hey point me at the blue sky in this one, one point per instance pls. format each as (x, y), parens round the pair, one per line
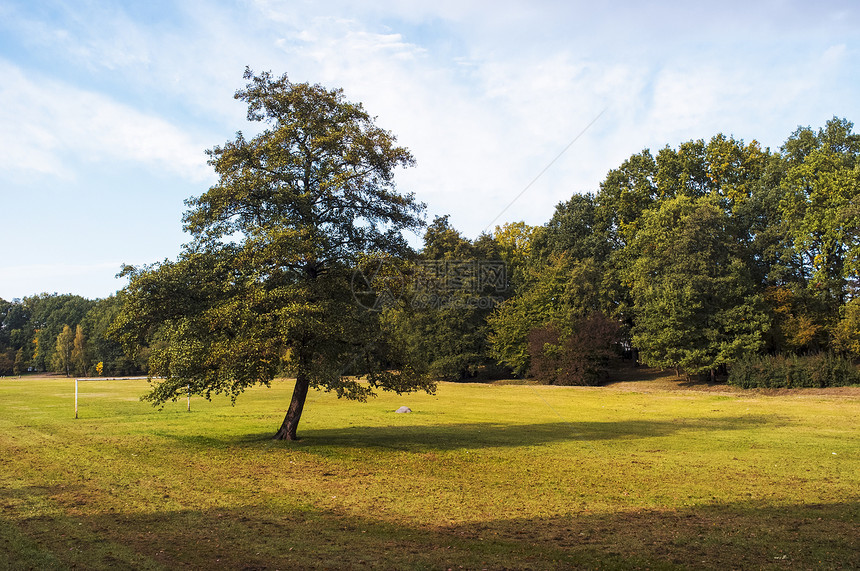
(106, 108)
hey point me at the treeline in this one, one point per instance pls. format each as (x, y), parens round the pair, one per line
(690, 259)
(694, 259)
(62, 333)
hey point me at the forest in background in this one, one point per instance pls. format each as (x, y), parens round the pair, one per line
(695, 258)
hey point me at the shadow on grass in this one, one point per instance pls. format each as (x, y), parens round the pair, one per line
(436, 437)
(490, 435)
(269, 536)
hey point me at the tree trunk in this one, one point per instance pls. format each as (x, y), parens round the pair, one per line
(294, 413)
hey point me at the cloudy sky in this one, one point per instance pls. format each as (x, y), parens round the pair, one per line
(107, 107)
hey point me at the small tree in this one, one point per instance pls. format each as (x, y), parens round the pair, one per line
(79, 352)
(7, 361)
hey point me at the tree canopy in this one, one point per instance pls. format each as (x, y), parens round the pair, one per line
(703, 254)
(263, 288)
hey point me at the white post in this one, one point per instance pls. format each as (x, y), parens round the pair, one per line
(76, 398)
(189, 397)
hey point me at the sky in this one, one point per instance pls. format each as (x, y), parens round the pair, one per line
(107, 107)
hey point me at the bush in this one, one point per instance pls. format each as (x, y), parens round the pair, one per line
(778, 372)
(583, 357)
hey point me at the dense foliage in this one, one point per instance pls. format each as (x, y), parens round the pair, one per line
(584, 356)
(703, 258)
(704, 255)
(62, 333)
(443, 325)
(793, 372)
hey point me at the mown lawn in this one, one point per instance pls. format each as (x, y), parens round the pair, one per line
(478, 476)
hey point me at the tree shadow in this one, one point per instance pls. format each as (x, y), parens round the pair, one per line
(478, 435)
(492, 435)
(273, 535)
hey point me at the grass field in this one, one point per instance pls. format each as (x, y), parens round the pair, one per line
(633, 475)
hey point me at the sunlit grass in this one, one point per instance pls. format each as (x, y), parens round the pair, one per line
(488, 476)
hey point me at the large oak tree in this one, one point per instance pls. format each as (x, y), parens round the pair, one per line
(264, 287)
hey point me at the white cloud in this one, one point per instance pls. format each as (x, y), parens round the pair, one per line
(52, 128)
(481, 129)
(835, 55)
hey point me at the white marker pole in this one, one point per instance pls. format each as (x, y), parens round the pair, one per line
(76, 398)
(189, 398)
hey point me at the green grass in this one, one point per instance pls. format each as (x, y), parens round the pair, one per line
(478, 476)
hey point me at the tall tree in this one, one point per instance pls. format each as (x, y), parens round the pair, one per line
(450, 299)
(577, 230)
(264, 286)
(696, 304)
(821, 205)
(683, 171)
(65, 347)
(5, 306)
(515, 242)
(625, 194)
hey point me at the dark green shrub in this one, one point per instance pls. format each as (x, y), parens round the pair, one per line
(582, 357)
(777, 372)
